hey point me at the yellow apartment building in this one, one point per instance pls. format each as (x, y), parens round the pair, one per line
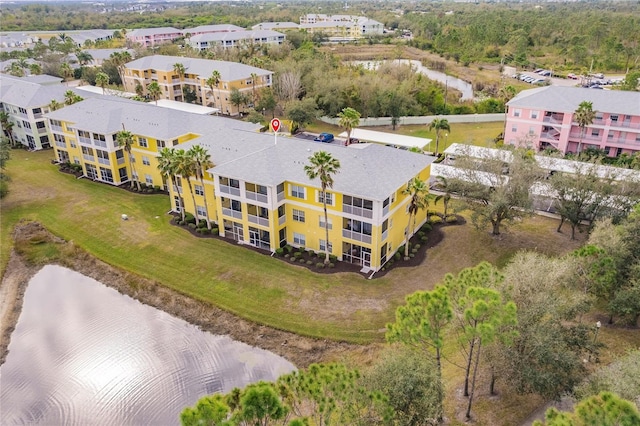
(247, 79)
(257, 192)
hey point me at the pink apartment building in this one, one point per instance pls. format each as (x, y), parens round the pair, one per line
(544, 118)
(149, 37)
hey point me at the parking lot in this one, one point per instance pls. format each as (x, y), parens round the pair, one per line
(310, 136)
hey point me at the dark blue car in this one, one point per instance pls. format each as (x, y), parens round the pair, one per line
(324, 137)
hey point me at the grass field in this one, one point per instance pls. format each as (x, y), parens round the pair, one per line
(339, 306)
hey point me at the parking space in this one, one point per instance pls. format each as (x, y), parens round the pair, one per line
(311, 136)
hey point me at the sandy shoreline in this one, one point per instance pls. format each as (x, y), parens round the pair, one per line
(301, 351)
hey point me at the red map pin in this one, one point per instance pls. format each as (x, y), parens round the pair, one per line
(275, 125)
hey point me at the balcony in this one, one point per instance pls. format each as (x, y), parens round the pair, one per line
(553, 136)
(356, 236)
(37, 115)
(385, 210)
(232, 213)
(61, 144)
(384, 235)
(230, 190)
(88, 157)
(56, 128)
(257, 219)
(85, 141)
(120, 160)
(257, 197)
(553, 118)
(282, 220)
(358, 211)
(280, 196)
(104, 161)
(42, 130)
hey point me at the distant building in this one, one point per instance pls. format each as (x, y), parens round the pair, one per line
(545, 118)
(149, 37)
(211, 29)
(158, 68)
(341, 26)
(235, 39)
(276, 26)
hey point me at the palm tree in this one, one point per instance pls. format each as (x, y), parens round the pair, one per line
(349, 119)
(102, 80)
(442, 185)
(216, 79)
(439, 124)
(167, 164)
(124, 138)
(254, 77)
(35, 69)
(418, 190)
(323, 166)
(203, 162)
(584, 116)
(211, 83)
(66, 71)
(15, 69)
(120, 59)
(84, 57)
(179, 69)
(154, 91)
(186, 168)
(71, 98)
(7, 126)
(54, 105)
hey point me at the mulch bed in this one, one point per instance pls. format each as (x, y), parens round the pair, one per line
(434, 237)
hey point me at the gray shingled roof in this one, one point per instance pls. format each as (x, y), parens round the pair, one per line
(206, 28)
(567, 99)
(152, 31)
(373, 171)
(25, 94)
(275, 25)
(229, 71)
(236, 35)
(107, 115)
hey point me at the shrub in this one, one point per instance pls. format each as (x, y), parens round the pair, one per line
(452, 219)
(332, 265)
(424, 239)
(414, 250)
(309, 262)
(302, 260)
(149, 190)
(426, 227)
(312, 253)
(181, 222)
(319, 265)
(202, 223)
(286, 256)
(279, 251)
(288, 248)
(191, 225)
(333, 258)
(436, 219)
(417, 246)
(301, 249)
(412, 255)
(297, 255)
(420, 233)
(214, 230)
(398, 255)
(205, 231)
(157, 188)
(189, 218)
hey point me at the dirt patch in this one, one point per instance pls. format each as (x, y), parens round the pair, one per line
(300, 350)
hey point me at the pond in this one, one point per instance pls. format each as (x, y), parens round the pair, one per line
(455, 83)
(82, 353)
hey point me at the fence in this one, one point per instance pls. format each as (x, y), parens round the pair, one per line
(426, 119)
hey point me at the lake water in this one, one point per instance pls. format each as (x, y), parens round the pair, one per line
(83, 354)
(465, 88)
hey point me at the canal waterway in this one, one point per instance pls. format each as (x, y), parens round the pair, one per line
(465, 88)
(82, 353)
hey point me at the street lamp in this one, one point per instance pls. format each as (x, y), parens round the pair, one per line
(595, 337)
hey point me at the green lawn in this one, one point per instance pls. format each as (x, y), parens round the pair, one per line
(252, 285)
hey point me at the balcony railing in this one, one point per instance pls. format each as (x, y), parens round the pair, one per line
(358, 211)
(282, 220)
(61, 144)
(37, 115)
(256, 196)
(555, 136)
(230, 190)
(385, 234)
(104, 161)
(280, 196)
(232, 213)
(85, 141)
(385, 210)
(356, 236)
(120, 160)
(555, 119)
(42, 130)
(257, 219)
(88, 157)
(56, 128)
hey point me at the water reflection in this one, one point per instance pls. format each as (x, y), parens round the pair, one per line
(82, 353)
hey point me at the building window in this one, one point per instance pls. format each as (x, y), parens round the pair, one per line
(99, 140)
(514, 128)
(614, 118)
(534, 115)
(281, 211)
(199, 190)
(297, 191)
(122, 172)
(161, 144)
(148, 179)
(321, 222)
(201, 211)
(299, 239)
(105, 175)
(595, 132)
(357, 226)
(40, 125)
(233, 183)
(325, 196)
(610, 134)
(532, 130)
(323, 246)
(26, 124)
(298, 215)
(145, 161)
(143, 142)
(517, 112)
